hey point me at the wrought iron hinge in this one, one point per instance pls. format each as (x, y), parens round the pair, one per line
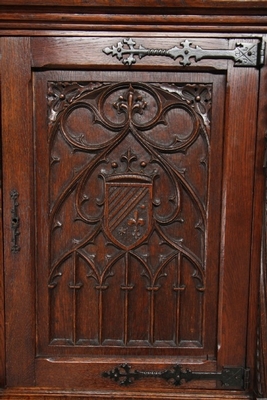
(230, 377)
(244, 54)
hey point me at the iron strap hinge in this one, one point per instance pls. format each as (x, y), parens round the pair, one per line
(230, 377)
(245, 54)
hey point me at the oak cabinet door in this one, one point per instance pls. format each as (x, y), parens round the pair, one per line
(139, 184)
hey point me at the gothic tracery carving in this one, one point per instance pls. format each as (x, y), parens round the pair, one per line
(139, 208)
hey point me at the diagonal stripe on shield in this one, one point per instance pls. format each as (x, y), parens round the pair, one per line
(128, 209)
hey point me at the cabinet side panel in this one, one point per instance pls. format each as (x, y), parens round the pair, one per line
(253, 354)
(236, 221)
(18, 175)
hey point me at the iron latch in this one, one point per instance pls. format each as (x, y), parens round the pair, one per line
(230, 377)
(15, 221)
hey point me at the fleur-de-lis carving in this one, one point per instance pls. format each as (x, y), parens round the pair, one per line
(129, 103)
(136, 221)
(128, 157)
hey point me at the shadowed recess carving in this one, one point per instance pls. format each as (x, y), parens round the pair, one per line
(129, 172)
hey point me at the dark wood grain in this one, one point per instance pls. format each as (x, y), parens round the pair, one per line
(44, 394)
(88, 52)
(217, 4)
(262, 348)
(41, 22)
(2, 288)
(81, 297)
(257, 242)
(59, 191)
(238, 185)
(17, 174)
(261, 369)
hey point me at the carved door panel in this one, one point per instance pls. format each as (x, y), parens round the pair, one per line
(128, 168)
(129, 216)
(140, 239)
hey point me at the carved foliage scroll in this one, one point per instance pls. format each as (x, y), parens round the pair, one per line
(129, 173)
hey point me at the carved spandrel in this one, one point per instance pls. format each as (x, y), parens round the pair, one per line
(62, 94)
(198, 96)
(127, 191)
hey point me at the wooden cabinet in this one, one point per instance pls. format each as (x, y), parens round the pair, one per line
(133, 201)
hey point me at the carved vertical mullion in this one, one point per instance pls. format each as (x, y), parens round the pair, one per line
(178, 288)
(126, 287)
(100, 315)
(152, 318)
(178, 295)
(126, 298)
(74, 300)
(152, 314)
(74, 286)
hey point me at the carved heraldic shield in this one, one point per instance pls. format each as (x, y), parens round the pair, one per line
(128, 209)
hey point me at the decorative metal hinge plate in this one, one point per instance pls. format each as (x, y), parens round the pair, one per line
(243, 55)
(230, 378)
